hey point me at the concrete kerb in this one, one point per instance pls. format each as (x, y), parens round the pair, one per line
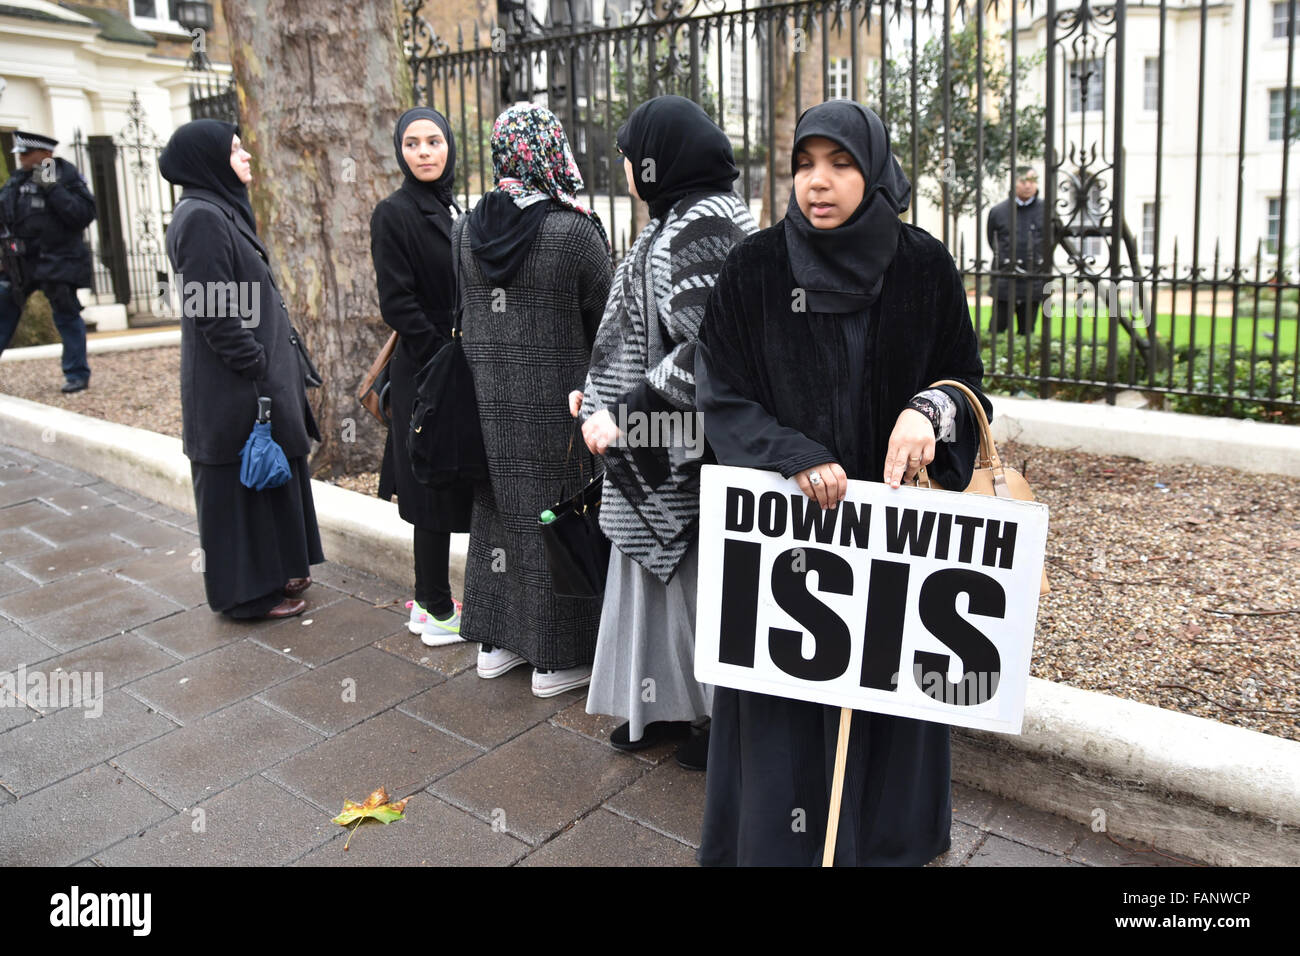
(1149, 435)
(1209, 791)
(94, 346)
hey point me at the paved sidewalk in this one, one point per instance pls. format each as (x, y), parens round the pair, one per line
(229, 743)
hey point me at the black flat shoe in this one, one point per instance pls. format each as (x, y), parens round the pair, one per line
(652, 734)
(693, 754)
(71, 386)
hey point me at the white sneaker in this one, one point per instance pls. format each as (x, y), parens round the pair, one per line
(496, 662)
(550, 683)
(437, 633)
(415, 624)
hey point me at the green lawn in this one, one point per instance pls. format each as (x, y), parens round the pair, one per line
(1071, 328)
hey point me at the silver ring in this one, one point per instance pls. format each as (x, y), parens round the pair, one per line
(815, 478)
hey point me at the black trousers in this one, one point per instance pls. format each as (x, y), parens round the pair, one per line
(432, 575)
(1026, 315)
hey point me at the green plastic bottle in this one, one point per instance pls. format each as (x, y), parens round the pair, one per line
(546, 517)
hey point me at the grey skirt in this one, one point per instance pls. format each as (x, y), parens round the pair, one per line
(645, 651)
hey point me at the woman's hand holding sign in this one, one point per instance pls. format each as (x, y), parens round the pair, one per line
(911, 445)
(825, 484)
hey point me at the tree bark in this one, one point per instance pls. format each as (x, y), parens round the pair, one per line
(321, 83)
(782, 67)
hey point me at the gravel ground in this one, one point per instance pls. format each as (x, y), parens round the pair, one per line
(140, 388)
(1172, 585)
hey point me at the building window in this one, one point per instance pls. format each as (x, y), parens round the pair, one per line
(1282, 19)
(156, 15)
(1273, 224)
(1277, 111)
(839, 76)
(1091, 247)
(155, 9)
(737, 77)
(1148, 229)
(1086, 89)
(1151, 83)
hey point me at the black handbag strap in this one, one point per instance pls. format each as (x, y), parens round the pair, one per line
(576, 433)
(457, 315)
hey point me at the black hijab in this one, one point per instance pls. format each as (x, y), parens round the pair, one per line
(841, 269)
(198, 155)
(690, 153)
(441, 188)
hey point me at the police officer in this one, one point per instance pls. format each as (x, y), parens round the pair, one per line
(44, 209)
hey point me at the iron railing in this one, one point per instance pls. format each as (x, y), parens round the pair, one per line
(1169, 254)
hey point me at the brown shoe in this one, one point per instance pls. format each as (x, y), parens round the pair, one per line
(287, 608)
(296, 586)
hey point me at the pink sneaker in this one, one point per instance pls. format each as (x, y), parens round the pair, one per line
(415, 623)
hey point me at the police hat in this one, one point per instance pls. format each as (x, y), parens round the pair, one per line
(25, 142)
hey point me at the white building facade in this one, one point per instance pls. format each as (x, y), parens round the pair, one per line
(1224, 67)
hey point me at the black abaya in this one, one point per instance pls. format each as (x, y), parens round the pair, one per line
(784, 390)
(253, 541)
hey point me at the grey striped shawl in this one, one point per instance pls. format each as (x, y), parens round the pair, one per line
(648, 335)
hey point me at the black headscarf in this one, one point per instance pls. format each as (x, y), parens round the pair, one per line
(441, 188)
(198, 155)
(841, 269)
(690, 153)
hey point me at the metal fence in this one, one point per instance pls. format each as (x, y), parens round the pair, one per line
(133, 204)
(213, 96)
(1162, 130)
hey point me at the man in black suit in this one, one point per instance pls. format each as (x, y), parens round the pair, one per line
(44, 209)
(1021, 294)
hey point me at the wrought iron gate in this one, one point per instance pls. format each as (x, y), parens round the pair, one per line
(133, 205)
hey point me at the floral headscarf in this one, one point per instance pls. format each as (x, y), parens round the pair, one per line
(531, 160)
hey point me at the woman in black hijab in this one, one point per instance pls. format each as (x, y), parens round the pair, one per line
(410, 242)
(237, 345)
(820, 340)
(643, 370)
(675, 151)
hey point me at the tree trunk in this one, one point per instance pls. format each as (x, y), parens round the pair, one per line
(782, 67)
(321, 83)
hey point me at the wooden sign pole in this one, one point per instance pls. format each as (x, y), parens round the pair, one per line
(837, 786)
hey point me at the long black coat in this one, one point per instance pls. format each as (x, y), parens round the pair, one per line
(51, 222)
(225, 366)
(1028, 255)
(410, 242)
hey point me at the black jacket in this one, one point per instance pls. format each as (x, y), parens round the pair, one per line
(221, 266)
(50, 221)
(410, 242)
(1028, 254)
(773, 396)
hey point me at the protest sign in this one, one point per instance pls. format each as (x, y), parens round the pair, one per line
(907, 601)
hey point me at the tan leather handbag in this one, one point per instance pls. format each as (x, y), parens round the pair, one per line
(991, 477)
(373, 393)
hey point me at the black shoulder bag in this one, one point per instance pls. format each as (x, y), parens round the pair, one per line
(576, 549)
(445, 440)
